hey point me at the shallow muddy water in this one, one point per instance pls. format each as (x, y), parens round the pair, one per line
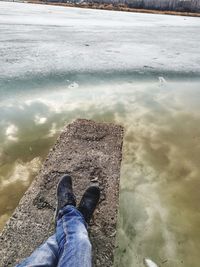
(159, 201)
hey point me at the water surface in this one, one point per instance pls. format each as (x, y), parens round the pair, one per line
(159, 200)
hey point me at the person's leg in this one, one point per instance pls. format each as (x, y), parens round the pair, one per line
(71, 224)
(72, 238)
(45, 255)
(70, 246)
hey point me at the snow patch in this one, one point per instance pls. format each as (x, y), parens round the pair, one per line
(73, 85)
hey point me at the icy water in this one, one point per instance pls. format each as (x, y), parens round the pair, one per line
(154, 95)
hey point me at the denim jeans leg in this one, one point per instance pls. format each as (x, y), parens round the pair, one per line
(72, 238)
(45, 255)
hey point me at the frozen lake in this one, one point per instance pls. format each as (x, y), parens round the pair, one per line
(139, 70)
(39, 39)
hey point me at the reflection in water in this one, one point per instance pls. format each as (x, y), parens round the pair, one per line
(159, 201)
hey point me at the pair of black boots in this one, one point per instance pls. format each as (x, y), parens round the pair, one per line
(65, 196)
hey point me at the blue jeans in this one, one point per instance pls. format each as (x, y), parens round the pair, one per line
(69, 246)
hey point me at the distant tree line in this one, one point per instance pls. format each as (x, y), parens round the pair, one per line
(171, 5)
(163, 5)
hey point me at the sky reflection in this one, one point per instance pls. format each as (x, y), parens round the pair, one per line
(159, 201)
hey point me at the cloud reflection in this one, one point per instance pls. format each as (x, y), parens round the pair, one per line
(159, 201)
(11, 132)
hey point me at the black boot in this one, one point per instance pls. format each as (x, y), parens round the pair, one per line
(65, 195)
(89, 202)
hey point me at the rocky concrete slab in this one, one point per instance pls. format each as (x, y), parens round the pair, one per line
(91, 153)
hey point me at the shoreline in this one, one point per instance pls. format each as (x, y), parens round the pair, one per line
(111, 7)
